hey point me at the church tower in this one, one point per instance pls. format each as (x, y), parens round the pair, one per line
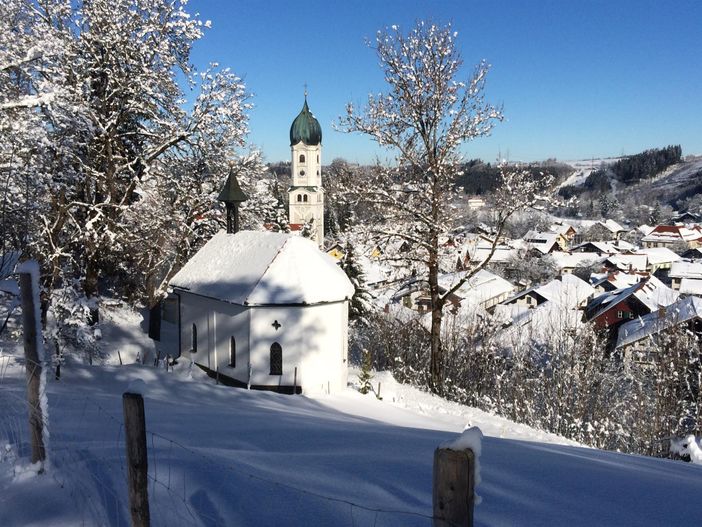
(306, 195)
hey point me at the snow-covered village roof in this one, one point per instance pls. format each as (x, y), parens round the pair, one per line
(561, 228)
(645, 229)
(659, 255)
(572, 260)
(624, 262)
(683, 269)
(672, 233)
(480, 251)
(612, 226)
(568, 291)
(681, 311)
(542, 241)
(599, 247)
(650, 291)
(263, 268)
(479, 288)
(690, 286)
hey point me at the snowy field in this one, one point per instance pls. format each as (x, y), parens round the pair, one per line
(224, 456)
(585, 167)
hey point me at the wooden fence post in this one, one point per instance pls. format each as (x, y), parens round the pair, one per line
(135, 440)
(32, 365)
(453, 487)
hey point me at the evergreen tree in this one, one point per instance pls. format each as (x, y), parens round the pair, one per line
(655, 217)
(281, 221)
(365, 377)
(360, 302)
(309, 229)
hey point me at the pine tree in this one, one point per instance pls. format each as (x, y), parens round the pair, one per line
(281, 221)
(655, 217)
(365, 377)
(309, 229)
(360, 302)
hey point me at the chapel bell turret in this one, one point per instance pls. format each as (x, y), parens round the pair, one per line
(232, 195)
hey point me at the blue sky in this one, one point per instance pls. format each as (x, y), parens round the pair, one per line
(577, 79)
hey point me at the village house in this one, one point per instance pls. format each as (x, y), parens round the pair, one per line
(566, 290)
(600, 248)
(686, 277)
(692, 254)
(478, 249)
(568, 262)
(605, 230)
(615, 306)
(545, 242)
(336, 251)
(528, 298)
(635, 335)
(627, 262)
(673, 235)
(567, 231)
(484, 290)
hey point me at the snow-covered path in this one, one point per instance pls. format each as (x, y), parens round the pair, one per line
(236, 454)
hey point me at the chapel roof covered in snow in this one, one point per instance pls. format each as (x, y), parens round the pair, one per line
(263, 268)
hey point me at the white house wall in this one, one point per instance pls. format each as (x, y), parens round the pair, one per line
(314, 340)
(216, 323)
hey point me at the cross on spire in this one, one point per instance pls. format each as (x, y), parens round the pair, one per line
(305, 91)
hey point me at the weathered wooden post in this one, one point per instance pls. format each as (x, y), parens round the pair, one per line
(137, 464)
(453, 487)
(30, 323)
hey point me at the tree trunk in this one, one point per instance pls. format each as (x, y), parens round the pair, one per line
(436, 366)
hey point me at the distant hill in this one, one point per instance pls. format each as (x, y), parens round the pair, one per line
(680, 181)
(657, 175)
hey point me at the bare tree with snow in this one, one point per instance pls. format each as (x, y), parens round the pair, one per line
(99, 145)
(426, 115)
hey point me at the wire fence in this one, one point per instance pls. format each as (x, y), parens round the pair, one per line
(86, 457)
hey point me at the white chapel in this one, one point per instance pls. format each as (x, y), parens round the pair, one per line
(306, 195)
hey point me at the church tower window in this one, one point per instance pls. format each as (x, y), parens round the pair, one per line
(304, 198)
(299, 197)
(302, 158)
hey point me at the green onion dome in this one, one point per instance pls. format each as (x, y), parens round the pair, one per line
(305, 128)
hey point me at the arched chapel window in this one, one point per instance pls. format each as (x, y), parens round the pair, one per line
(299, 197)
(304, 198)
(276, 359)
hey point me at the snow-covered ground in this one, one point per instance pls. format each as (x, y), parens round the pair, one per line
(225, 456)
